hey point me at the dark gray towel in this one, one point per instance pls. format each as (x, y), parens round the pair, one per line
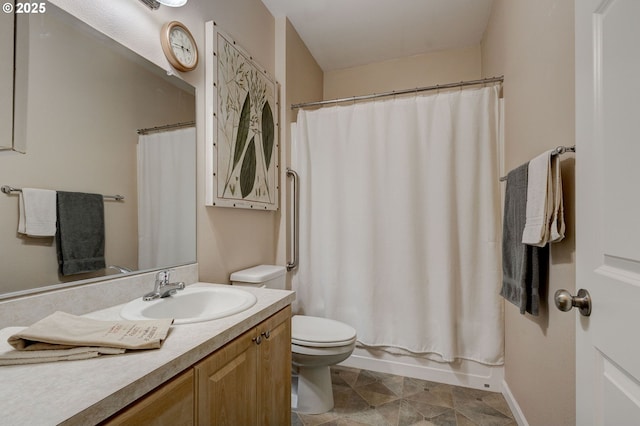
(524, 267)
(80, 232)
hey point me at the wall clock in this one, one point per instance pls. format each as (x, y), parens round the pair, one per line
(179, 46)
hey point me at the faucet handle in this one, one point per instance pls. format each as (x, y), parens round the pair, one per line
(164, 276)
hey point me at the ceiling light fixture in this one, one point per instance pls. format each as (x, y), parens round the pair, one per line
(155, 4)
(173, 3)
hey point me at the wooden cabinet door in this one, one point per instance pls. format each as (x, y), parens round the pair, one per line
(169, 405)
(274, 370)
(226, 384)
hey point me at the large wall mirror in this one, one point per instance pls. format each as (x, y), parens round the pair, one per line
(6, 80)
(80, 99)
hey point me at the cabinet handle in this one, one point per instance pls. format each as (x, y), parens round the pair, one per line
(258, 340)
(266, 334)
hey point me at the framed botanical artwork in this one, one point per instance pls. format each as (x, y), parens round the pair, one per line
(242, 127)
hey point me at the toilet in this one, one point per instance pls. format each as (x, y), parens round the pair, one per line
(316, 344)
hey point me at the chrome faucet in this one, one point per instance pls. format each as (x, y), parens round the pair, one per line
(163, 287)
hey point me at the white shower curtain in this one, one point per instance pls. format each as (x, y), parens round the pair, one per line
(166, 198)
(400, 222)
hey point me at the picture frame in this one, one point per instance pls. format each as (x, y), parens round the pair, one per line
(242, 129)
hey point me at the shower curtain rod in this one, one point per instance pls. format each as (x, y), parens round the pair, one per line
(401, 92)
(166, 127)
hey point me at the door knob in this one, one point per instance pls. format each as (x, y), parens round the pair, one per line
(565, 301)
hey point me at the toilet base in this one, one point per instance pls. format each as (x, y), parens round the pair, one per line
(315, 394)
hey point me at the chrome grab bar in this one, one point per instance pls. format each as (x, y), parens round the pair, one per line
(295, 222)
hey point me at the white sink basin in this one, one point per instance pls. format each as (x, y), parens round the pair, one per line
(193, 304)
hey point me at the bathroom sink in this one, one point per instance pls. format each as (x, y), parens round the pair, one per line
(193, 304)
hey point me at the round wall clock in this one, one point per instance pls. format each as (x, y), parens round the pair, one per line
(179, 46)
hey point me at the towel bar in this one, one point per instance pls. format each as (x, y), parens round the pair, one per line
(559, 150)
(9, 189)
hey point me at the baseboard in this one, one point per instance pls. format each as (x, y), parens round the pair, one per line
(465, 373)
(513, 405)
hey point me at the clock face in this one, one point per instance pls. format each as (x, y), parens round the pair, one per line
(182, 47)
(179, 46)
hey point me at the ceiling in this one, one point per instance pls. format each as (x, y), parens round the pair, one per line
(347, 33)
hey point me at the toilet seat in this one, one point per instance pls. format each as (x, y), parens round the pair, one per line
(323, 350)
(322, 345)
(316, 332)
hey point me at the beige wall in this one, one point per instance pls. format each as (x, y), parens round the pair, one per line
(532, 44)
(405, 73)
(304, 75)
(302, 82)
(82, 117)
(233, 239)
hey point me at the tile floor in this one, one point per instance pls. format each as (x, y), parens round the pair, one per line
(368, 398)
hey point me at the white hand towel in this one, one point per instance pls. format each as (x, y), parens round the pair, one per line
(37, 212)
(557, 221)
(539, 201)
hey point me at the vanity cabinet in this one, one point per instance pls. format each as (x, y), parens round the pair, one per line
(245, 382)
(248, 381)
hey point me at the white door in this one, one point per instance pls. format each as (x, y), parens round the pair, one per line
(608, 211)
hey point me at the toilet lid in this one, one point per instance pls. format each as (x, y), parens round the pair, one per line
(320, 332)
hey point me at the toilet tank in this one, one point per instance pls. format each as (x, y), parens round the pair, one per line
(270, 276)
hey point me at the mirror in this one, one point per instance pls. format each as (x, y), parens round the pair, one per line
(6, 80)
(80, 99)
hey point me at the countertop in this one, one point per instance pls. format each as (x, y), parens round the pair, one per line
(89, 391)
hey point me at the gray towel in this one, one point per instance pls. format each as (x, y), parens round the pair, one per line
(80, 234)
(524, 267)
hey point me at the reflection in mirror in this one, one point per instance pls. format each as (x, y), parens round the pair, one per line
(80, 99)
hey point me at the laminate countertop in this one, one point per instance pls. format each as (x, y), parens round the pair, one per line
(88, 391)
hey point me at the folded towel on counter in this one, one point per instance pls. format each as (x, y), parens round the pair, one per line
(11, 356)
(544, 217)
(80, 238)
(523, 266)
(64, 331)
(37, 212)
